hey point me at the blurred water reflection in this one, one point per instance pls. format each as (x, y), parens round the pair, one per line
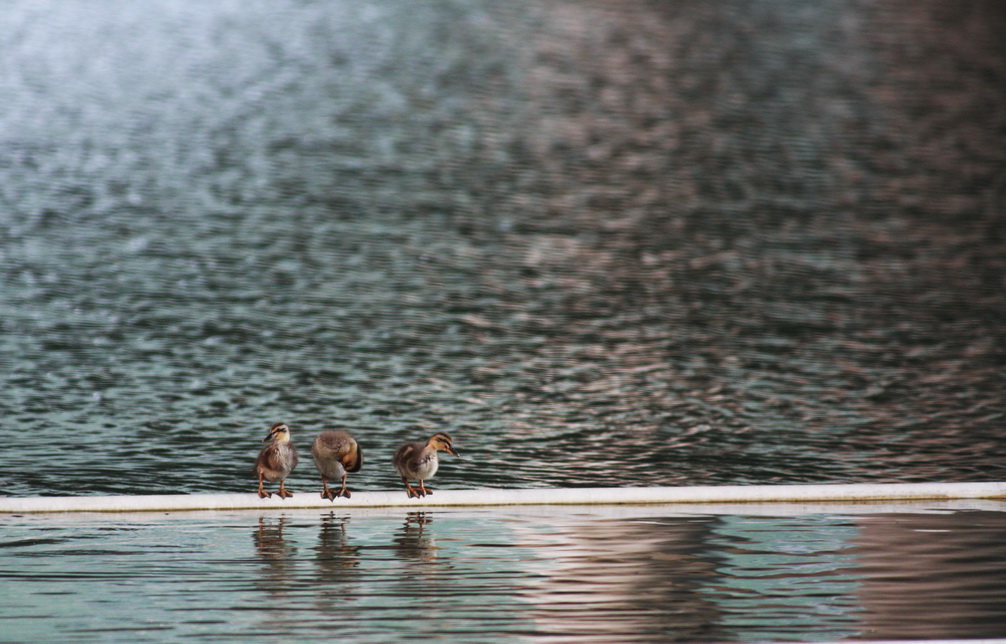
(545, 574)
(612, 581)
(928, 568)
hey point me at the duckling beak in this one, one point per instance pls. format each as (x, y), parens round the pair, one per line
(453, 451)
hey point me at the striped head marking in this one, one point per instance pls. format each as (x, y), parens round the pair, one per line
(279, 432)
(443, 441)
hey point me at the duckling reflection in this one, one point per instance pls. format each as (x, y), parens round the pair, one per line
(276, 555)
(335, 555)
(413, 541)
(336, 570)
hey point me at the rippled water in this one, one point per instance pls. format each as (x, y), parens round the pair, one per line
(659, 244)
(634, 243)
(602, 575)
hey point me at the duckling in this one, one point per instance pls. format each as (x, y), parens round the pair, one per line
(418, 461)
(276, 460)
(335, 453)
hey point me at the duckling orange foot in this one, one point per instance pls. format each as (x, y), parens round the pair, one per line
(331, 496)
(326, 493)
(262, 494)
(283, 492)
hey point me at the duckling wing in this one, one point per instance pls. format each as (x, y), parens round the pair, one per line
(262, 461)
(404, 456)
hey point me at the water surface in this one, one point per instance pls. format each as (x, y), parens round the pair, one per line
(657, 243)
(549, 574)
(663, 244)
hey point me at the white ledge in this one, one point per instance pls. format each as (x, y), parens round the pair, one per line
(838, 493)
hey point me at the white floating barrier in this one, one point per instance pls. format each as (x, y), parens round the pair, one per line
(828, 493)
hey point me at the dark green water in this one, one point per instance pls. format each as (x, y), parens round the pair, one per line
(633, 243)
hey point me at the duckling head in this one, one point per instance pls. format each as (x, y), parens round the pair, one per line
(443, 441)
(279, 433)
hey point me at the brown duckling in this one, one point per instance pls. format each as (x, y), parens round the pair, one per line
(418, 460)
(276, 460)
(336, 453)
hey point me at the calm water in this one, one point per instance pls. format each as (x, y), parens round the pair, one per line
(602, 575)
(633, 243)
